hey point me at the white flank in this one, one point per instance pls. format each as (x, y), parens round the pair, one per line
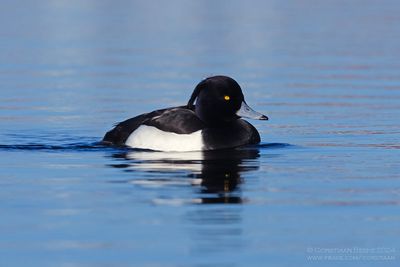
(149, 137)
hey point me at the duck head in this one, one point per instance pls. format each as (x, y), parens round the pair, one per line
(219, 100)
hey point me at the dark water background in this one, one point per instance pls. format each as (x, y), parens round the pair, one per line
(325, 182)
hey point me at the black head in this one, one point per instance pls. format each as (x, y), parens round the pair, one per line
(220, 100)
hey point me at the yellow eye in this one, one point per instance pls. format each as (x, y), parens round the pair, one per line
(227, 97)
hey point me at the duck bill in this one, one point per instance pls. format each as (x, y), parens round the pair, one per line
(247, 112)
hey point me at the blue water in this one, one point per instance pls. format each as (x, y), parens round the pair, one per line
(322, 189)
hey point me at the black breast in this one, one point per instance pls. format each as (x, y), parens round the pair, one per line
(234, 134)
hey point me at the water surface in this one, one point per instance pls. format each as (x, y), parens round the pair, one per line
(323, 187)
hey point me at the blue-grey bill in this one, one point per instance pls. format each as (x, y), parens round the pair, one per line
(247, 112)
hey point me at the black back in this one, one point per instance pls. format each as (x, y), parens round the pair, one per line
(180, 120)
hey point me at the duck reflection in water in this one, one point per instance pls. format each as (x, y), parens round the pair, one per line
(216, 174)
